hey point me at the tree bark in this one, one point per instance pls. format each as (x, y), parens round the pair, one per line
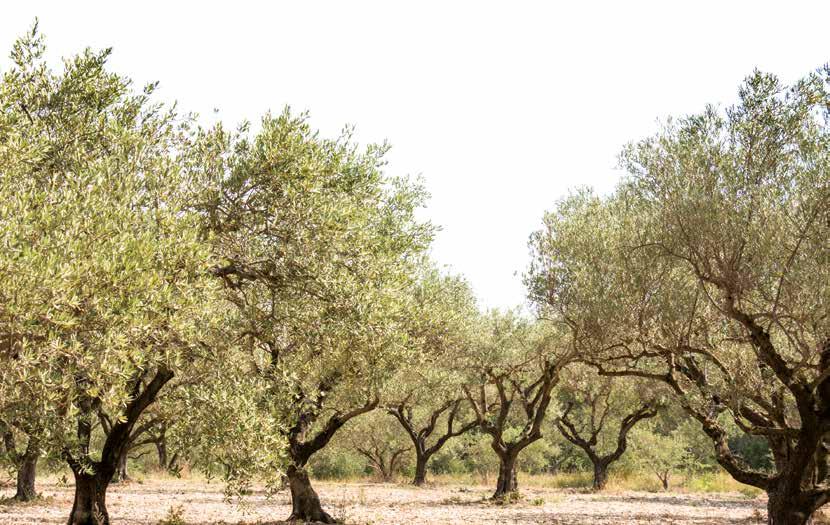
(507, 482)
(421, 461)
(161, 449)
(26, 472)
(781, 510)
(90, 505)
(600, 475)
(305, 504)
(121, 468)
(93, 477)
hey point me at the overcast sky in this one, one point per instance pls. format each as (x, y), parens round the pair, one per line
(501, 107)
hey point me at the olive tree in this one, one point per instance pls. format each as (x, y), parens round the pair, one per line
(378, 439)
(513, 371)
(714, 277)
(104, 289)
(22, 459)
(427, 397)
(662, 452)
(317, 251)
(598, 414)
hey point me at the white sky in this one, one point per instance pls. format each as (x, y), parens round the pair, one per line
(502, 107)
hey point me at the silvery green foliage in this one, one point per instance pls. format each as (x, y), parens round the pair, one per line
(103, 273)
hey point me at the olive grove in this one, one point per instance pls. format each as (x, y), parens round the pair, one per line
(245, 301)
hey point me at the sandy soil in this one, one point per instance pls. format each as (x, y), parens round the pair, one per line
(385, 504)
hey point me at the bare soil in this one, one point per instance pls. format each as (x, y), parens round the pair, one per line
(150, 501)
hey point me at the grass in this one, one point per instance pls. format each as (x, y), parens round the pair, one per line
(706, 482)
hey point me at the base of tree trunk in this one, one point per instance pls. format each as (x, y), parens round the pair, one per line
(420, 472)
(600, 478)
(784, 510)
(26, 479)
(90, 505)
(507, 485)
(305, 504)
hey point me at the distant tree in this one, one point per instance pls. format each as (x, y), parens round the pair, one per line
(598, 414)
(513, 372)
(104, 289)
(428, 399)
(664, 454)
(378, 439)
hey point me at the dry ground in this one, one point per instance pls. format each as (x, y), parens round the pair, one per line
(148, 502)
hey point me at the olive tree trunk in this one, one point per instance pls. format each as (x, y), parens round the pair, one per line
(507, 482)
(421, 461)
(789, 504)
(161, 450)
(26, 472)
(90, 505)
(305, 504)
(121, 468)
(600, 475)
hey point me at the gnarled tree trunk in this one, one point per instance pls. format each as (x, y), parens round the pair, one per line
(305, 504)
(507, 482)
(600, 475)
(781, 510)
(121, 468)
(90, 505)
(26, 471)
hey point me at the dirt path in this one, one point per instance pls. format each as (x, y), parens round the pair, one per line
(384, 504)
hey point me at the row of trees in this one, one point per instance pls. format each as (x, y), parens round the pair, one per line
(246, 294)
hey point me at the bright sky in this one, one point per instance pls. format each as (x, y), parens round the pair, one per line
(501, 107)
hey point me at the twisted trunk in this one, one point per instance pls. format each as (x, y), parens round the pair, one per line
(90, 505)
(26, 471)
(781, 510)
(121, 468)
(600, 475)
(419, 436)
(92, 478)
(305, 504)
(507, 482)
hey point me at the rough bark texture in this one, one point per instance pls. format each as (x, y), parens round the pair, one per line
(305, 504)
(26, 471)
(90, 505)
(93, 477)
(507, 482)
(121, 468)
(782, 511)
